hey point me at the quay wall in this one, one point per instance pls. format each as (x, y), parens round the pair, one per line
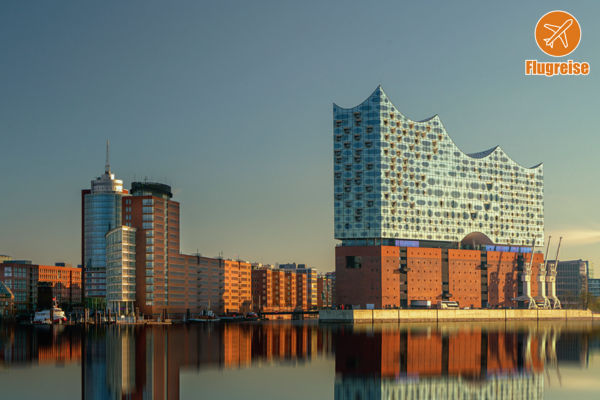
(370, 316)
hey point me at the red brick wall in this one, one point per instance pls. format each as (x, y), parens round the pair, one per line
(425, 276)
(464, 270)
(361, 286)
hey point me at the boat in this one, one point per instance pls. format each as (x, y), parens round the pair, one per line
(205, 316)
(251, 316)
(43, 317)
(232, 317)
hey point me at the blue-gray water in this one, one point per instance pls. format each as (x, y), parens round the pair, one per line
(302, 360)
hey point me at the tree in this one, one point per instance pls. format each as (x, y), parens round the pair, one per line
(588, 301)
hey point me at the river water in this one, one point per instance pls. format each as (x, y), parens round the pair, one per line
(302, 360)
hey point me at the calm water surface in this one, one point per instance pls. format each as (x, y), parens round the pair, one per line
(302, 360)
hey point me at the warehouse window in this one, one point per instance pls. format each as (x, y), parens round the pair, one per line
(353, 261)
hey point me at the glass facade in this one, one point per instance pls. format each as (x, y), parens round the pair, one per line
(395, 178)
(102, 213)
(120, 269)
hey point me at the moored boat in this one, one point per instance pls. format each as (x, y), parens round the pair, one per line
(251, 316)
(232, 317)
(205, 316)
(43, 317)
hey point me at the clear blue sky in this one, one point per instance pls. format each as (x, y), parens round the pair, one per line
(232, 103)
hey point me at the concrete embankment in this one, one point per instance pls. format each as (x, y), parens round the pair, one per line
(370, 316)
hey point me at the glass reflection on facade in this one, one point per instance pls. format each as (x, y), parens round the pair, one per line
(120, 269)
(395, 178)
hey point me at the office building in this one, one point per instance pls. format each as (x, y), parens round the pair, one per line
(594, 287)
(4, 258)
(23, 280)
(418, 218)
(571, 281)
(100, 213)
(590, 270)
(166, 280)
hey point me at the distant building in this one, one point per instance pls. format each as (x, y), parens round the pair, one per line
(590, 273)
(571, 281)
(324, 291)
(274, 290)
(331, 276)
(23, 279)
(4, 258)
(594, 287)
(224, 285)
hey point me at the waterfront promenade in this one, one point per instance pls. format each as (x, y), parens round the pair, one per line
(370, 316)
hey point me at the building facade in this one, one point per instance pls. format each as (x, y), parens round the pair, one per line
(274, 290)
(419, 220)
(571, 281)
(594, 287)
(121, 270)
(224, 285)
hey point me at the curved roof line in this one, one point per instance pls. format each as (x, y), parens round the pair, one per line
(371, 95)
(478, 155)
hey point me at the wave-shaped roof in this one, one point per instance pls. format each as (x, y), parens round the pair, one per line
(379, 96)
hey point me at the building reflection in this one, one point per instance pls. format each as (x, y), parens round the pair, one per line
(450, 361)
(42, 345)
(127, 362)
(371, 361)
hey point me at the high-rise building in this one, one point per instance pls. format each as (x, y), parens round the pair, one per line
(420, 220)
(166, 280)
(100, 213)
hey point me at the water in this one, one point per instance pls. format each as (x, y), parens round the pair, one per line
(302, 360)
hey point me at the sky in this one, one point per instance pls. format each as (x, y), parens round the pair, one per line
(231, 104)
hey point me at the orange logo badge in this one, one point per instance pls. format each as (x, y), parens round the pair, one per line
(557, 33)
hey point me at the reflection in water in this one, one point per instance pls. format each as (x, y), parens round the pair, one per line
(416, 361)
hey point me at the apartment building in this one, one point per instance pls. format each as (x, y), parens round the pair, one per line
(224, 285)
(23, 279)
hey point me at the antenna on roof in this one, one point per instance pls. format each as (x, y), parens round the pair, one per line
(107, 166)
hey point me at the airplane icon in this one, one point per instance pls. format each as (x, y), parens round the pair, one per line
(559, 33)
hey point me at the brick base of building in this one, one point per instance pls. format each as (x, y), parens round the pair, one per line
(395, 277)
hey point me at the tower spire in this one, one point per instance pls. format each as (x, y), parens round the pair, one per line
(107, 166)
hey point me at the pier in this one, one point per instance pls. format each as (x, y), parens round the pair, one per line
(370, 316)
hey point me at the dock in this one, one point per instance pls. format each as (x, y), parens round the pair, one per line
(399, 316)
